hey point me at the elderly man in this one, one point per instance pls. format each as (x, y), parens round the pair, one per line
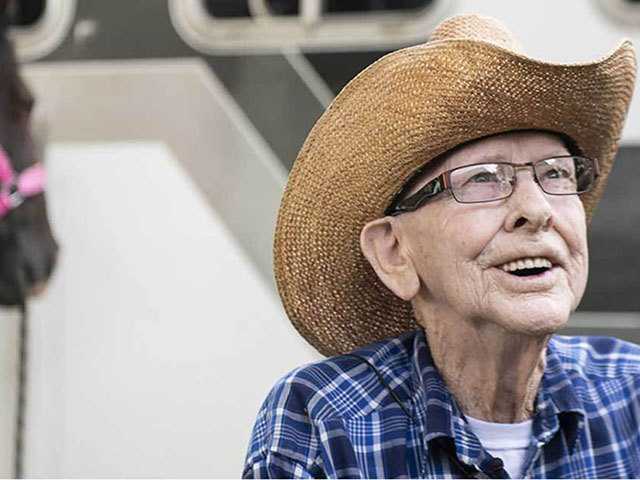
(433, 237)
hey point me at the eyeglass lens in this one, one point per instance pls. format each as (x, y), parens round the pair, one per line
(494, 181)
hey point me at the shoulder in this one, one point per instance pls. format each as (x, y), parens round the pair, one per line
(339, 388)
(597, 357)
(349, 385)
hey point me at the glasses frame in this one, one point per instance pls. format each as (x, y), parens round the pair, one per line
(442, 183)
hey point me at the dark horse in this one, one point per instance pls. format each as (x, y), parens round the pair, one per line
(28, 250)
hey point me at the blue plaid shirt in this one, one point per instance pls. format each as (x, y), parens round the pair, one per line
(387, 413)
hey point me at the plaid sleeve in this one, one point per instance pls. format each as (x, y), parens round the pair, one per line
(273, 465)
(283, 442)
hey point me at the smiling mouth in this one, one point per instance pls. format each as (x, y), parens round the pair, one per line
(529, 272)
(527, 267)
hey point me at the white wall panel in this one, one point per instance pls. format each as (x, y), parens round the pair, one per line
(153, 347)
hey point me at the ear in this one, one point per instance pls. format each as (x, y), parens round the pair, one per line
(380, 245)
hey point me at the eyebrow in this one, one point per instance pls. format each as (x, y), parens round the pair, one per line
(497, 158)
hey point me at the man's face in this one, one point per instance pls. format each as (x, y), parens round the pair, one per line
(459, 250)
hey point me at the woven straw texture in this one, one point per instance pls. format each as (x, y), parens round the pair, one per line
(469, 81)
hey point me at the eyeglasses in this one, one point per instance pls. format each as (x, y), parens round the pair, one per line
(488, 182)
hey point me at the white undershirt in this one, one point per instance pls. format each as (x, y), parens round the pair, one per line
(507, 441)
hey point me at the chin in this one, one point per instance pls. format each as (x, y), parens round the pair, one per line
(535, 320)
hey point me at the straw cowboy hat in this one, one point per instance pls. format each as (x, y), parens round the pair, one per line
(468, 81)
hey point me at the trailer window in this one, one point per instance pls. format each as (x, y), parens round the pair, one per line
(268, 26)
(37, 27)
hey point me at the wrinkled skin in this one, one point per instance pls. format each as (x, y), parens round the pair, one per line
(28, 250)
(457, 266)
(486, 328)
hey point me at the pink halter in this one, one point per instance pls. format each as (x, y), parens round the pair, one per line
(15, 188)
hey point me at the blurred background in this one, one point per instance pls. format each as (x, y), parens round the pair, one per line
(170, 127)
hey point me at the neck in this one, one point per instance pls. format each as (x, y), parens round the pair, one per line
(493, 373)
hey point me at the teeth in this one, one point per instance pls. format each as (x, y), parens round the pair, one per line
(532, 262)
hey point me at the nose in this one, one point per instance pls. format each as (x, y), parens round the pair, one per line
(529, 207)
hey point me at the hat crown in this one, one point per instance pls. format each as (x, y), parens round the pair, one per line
(476, 27)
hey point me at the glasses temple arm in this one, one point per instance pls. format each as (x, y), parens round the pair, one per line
(431, 189)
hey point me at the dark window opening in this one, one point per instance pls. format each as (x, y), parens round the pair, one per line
(227, 8)
(25, 13)
(240, 8)
(374, 5)
(284, 7)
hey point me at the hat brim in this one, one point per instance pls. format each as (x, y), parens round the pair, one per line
(399, 113)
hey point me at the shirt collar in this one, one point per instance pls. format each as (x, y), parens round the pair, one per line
(557, 405)
(434, 402)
